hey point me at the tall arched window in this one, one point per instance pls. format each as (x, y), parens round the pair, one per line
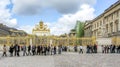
(116, 25)
(107, 28)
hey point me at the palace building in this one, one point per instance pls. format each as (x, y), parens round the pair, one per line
(88, 29)
(106, 25)
(41, 29)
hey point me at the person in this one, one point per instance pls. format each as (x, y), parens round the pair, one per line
(54, 50)
(38, 50)
(119, 49)
(29, 50)
(4, 51)
(105, 49)
(68, 47)
(41, 48)
(102, 48)
(95, 48)
(59, 49)
(33, 49)
(75, 48)
(17, 49)
(51, 49)
(91, 49)
(48, 50)
(113, 49)
(81, 49)
(11, 49)
(108, 48)
(65, 48)
(45, 50)
(87, 47)
(24, 50)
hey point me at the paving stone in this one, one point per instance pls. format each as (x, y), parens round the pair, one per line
(69, 59)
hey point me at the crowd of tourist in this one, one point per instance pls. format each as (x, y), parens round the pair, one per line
(89, 49)
(110, 49)
(15, 50)
(94, 49)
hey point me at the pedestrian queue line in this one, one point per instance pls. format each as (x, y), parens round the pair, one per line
(14, 50)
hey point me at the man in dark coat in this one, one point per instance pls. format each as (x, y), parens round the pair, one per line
(11, 49)
(113, 49)
(54, 50)
(29, 50)
(33, 49)
(75, 48)
(45, 50)
(95, 48)
(17, 49)
(38, 50)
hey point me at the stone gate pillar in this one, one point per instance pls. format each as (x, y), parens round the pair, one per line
(30, 41)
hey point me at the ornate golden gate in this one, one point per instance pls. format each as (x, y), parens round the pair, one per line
(45, 40)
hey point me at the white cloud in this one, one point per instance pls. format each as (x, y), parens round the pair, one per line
(33, 7)
(26, 28)
(68, 21)
(70, 6)
(13, 22)
(5, 15)
(63, 25)
(26, 7)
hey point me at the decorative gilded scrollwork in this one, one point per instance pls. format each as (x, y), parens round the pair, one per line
(41, 29)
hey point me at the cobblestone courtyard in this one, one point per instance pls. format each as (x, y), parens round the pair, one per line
(64, 60)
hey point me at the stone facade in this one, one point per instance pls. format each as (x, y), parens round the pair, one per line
(88, 29)
(107, 24)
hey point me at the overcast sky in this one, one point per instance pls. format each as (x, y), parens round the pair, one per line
(60, 15)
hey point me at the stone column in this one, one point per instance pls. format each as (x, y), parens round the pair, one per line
(30, 41)
(113, 26)
(109, 28)
(119, 21)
